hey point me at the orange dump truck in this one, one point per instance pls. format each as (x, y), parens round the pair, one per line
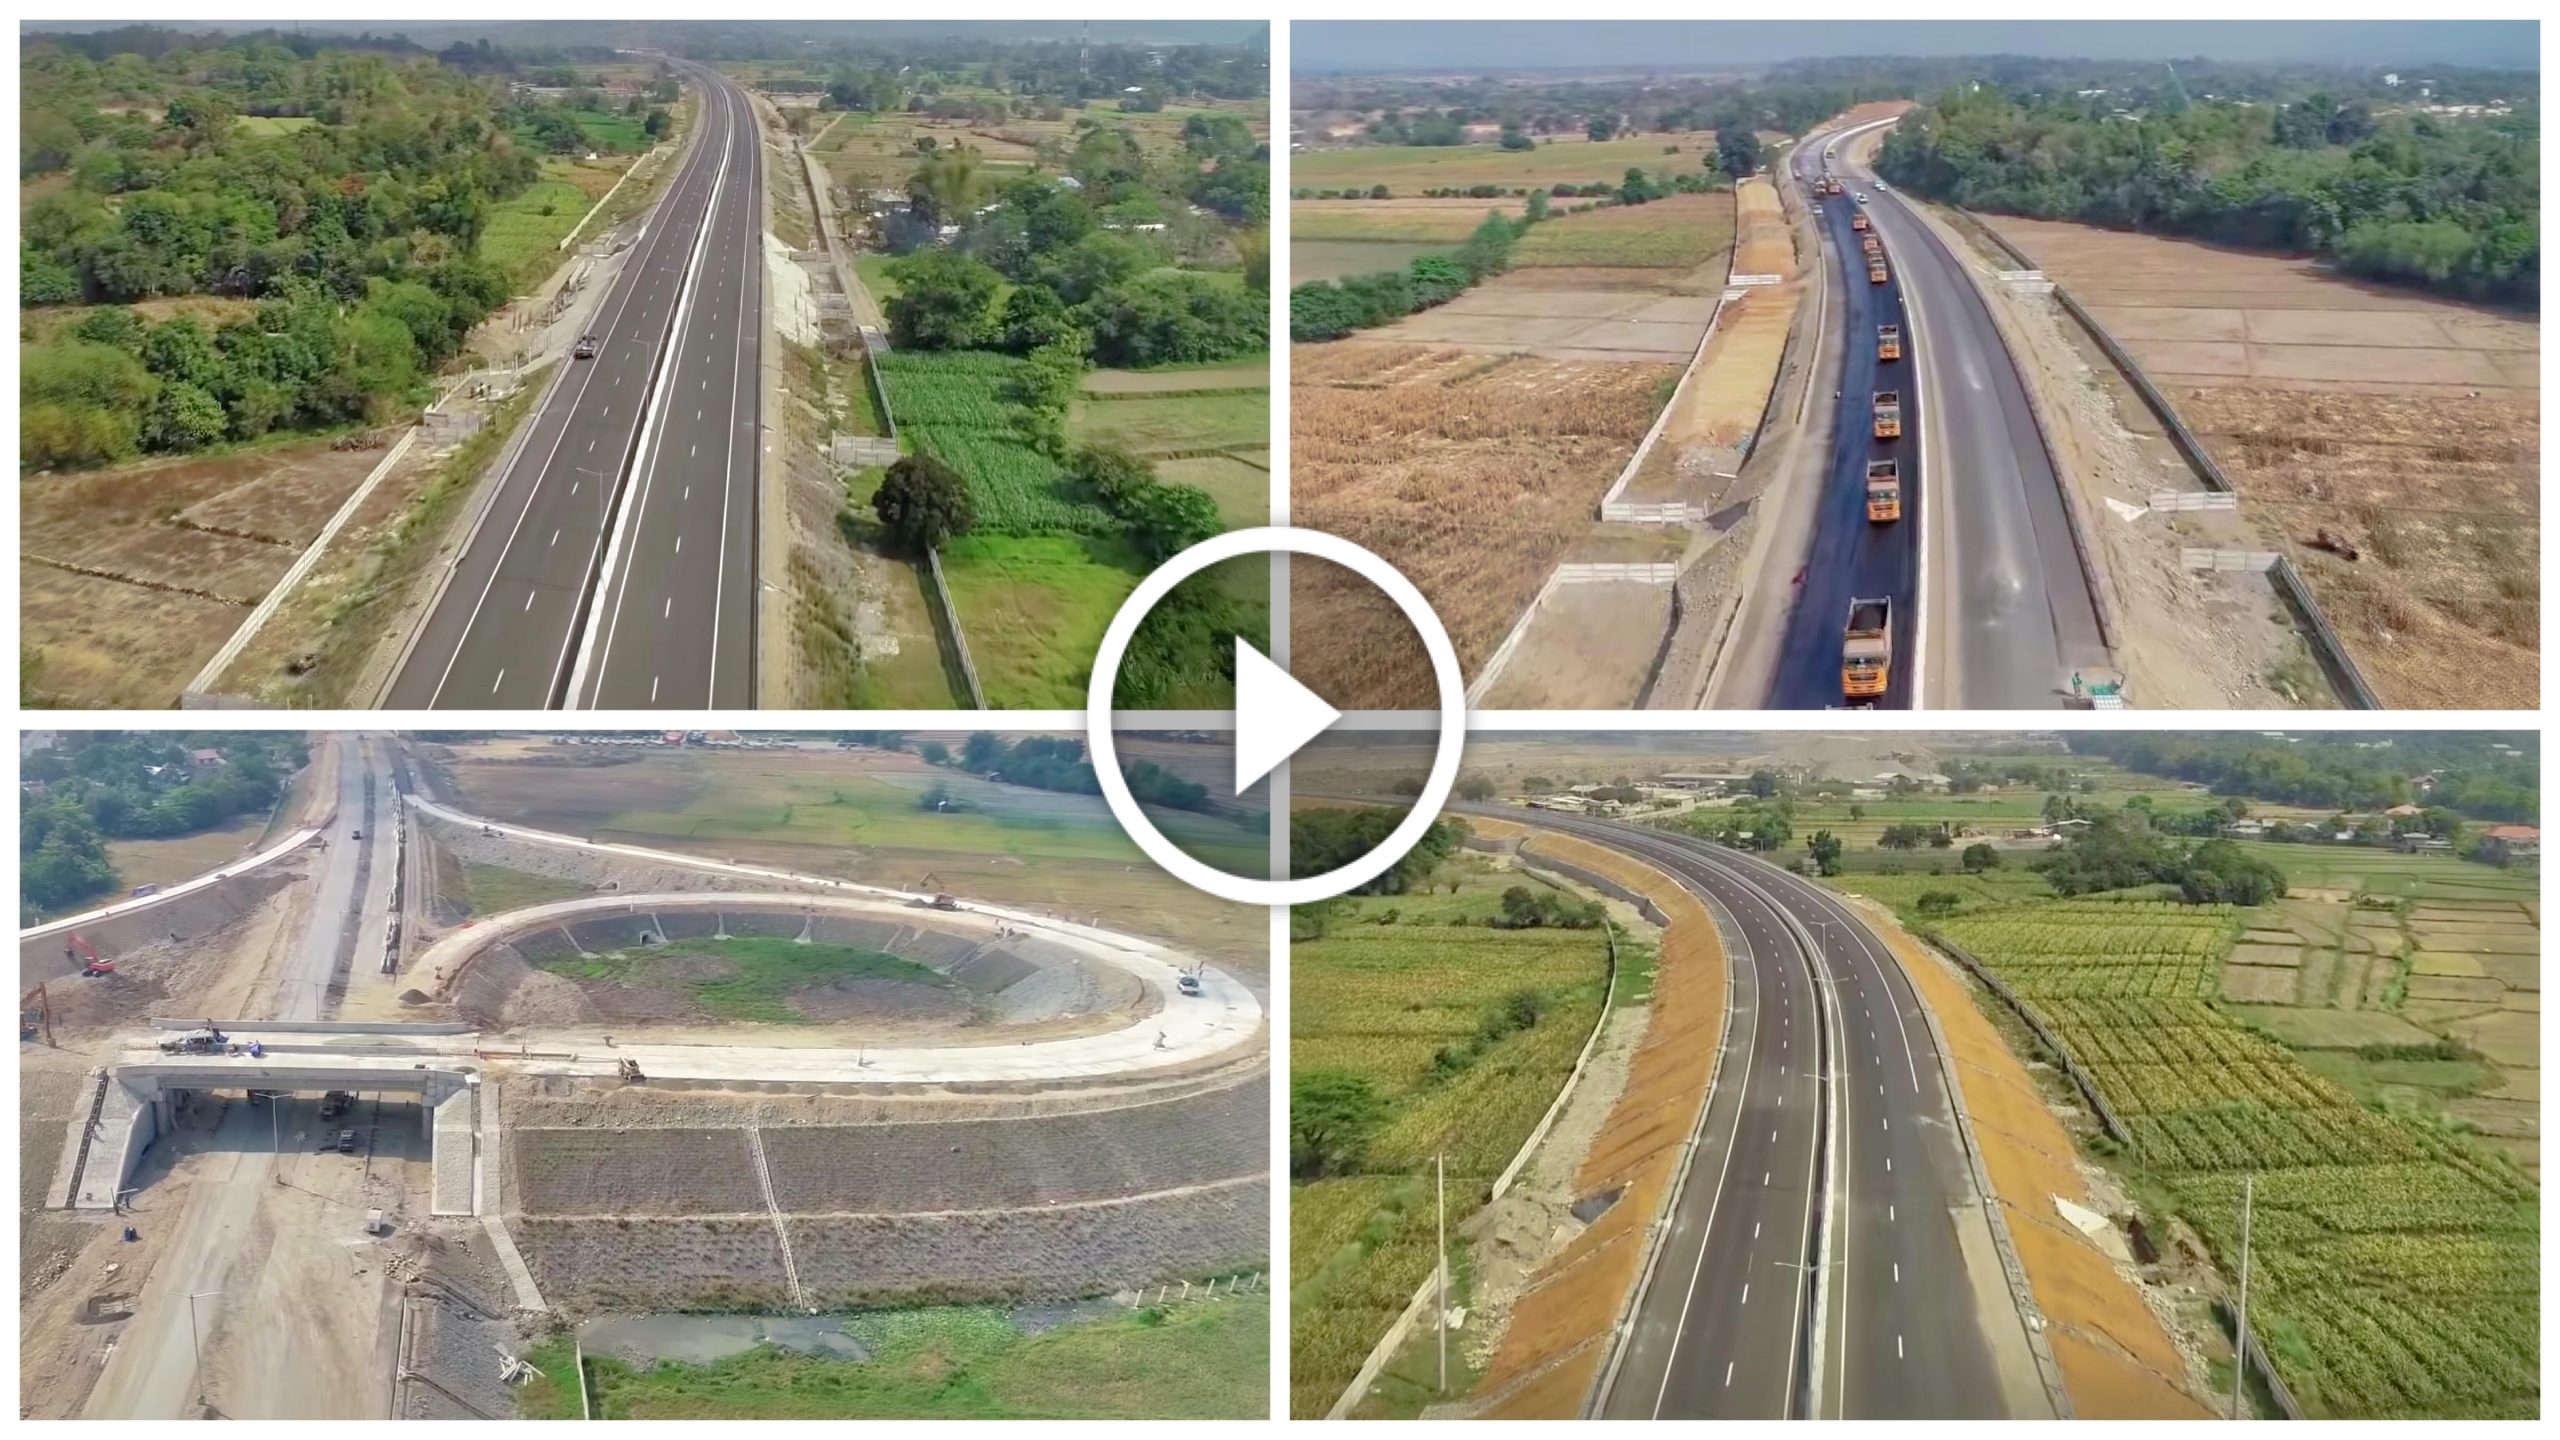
(1866, 650)
(1875, 270)
(1884, 491)
(1857, 221)
(1888, 342)
(1888, 406)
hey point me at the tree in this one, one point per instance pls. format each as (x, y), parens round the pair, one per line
(946, 187)
(1331, 1117)
(1113, 472)
(922, 502)
(1475, 788)
(982, 751)
(1176, 317)
(1825, 849)
(1601, 127)
(934, 752)
(943, 302)
(1978, 858)
(1738, 151)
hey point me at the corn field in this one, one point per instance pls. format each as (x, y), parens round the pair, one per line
(956, 407)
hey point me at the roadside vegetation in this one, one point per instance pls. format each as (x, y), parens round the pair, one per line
(356, 262)
(1208, 1360)
(1437, 1015)
(88, 789)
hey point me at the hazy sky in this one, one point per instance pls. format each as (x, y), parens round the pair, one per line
(1318, 46)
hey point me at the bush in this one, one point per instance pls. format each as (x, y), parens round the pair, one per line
(943, 301)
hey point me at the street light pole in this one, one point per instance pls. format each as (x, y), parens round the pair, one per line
(1440, 1205)
(195, 1342)
(2240, 1330)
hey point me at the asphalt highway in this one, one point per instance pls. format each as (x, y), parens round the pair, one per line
(2008, 613)
(507, 628)
(1726, 1329)
(1852, 557)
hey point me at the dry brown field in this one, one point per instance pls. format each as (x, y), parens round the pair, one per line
(1472, 474)
(170, 557)
(2405, 427)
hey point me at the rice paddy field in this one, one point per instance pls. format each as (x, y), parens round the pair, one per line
(2395, 1247)
(1400, 993)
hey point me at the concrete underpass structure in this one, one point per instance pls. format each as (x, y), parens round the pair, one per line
(130, 1105)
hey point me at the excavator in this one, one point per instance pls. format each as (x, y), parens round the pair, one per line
(84, 956)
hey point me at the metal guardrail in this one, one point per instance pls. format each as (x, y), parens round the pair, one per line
(2326, 647)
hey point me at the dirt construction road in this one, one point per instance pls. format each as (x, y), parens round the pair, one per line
(291, 1314)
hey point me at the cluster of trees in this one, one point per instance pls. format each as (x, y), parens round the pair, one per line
(1057, 762)
(1325, 839)
(110, 385)
(2452, 206)
(354, 233)
(2121, 851)
(1331, 309)
(2471, 774)
(134, 786)
(1527, 909)
(1041, 270)
(917, 72)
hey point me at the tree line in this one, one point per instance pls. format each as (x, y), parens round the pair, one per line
(2362, 771)
(1058, 762)
(2401, 197)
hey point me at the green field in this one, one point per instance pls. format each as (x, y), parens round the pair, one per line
(1682, 231)
(954, 405)
(1205, 1361)
(2394, 1261)
(273, 124)
(1242, 490)
(1314, 260)
(495, 889)
(1177, 424)
(524, 232)
(762, 972)
(1403, 991)
(1411, 169)
(1034, 608)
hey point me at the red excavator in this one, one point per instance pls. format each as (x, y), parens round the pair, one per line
(84, 956)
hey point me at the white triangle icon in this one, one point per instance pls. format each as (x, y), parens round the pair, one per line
(1275, 715)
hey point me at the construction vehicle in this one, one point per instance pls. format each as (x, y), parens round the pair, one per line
(1870, 245)
(335, 1104)
(1888, 407)
(1866, 650)
(1858, 222)
(35, 1016)
(629, 1070)
(84, 956)
(1888, 342)
(374, 1224)
(1875, 270)
(1884, 491)
(353, 834)
(945, 900)
(1831, 185)
(207, 1041)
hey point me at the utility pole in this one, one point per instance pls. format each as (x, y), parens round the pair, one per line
(2240, 1331)
(1440, 1208)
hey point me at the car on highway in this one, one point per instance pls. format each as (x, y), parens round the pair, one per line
(1862, 197)
(587, 345)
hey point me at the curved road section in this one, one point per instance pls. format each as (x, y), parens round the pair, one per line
(1993, 609)
(650, 444)
(1827, 1256)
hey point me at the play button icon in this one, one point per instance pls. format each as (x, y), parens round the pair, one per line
(1275, 716)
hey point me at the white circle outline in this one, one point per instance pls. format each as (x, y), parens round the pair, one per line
(1115, 647)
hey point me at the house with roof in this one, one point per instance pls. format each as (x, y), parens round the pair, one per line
(2507, 844)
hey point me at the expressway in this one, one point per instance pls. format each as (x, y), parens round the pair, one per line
(1816, 1265)
(1992, 606)
(617, 548)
